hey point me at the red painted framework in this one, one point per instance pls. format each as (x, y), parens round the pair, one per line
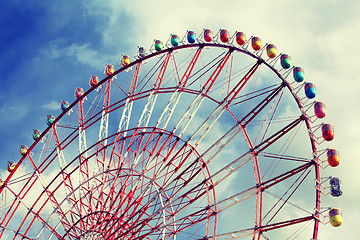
(134, 96)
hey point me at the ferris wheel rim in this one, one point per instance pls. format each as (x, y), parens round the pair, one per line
(199, 45)
(153, 54)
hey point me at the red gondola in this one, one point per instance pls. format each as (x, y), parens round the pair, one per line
(79, 92)
(224, 35)
(208, 35)
(94, 80)
(320, 109)
(327, 132)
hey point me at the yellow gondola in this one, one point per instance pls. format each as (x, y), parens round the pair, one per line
(11, 166)
(125, 60)
(336, 218)
(23, 150)
(256, 43)
(271, 50)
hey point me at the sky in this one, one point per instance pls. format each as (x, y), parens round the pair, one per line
(50, 47)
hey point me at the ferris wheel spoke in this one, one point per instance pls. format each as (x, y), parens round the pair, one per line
(141, 196)
(149, 106)
(68, 185)
(186, 76)
(99, 166)
(27, 223)
(206, 126)
(188, 115)
(114, 164)
(210, 82)
(133, 231)
(148, 109)
(170, 141)
(222, 205)
(256, 110)
(199, 189)
(125, 117)
(59, 151)
(31, 210)
(79, 222)
(103, 132)
(168, 110)
(185, 120)
(83, 164)
(152, 156)
(216, 148)
(234, 199)
(182, 223)
(31, 213)
(124, 121)
(254, 94)
(99, 202)
(232, 95)
(191, 195)
(71, 198)
(296, 184)
(153, 141)
(110, 197)
(259, 230)
(270, 140)
(14, 232)
(171, 105)
(146, 170)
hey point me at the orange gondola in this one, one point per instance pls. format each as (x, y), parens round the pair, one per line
(333, 157)
(125, 60)
(240, 38)
(256, 43)
(109, 69)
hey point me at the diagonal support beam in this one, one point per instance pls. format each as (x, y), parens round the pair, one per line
(270, 140)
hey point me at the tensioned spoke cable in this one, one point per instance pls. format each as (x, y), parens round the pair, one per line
(218, 59)
(156, 67)
(287, 143)
(298, 182)
(288, 202)
(297, 233)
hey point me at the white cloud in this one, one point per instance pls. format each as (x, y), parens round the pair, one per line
(320, 36)
(53, 105)
(82, 53)
(13, 111)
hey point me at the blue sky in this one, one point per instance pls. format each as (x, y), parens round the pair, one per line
(50, 47)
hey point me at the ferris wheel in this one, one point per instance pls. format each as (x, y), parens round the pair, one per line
(208, 136)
